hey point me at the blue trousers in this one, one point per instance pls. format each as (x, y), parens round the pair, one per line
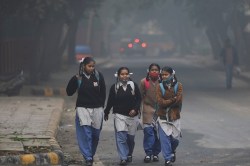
(88, 138)
(151, 142)
(168, 144)
(229, 76)
(125, 144)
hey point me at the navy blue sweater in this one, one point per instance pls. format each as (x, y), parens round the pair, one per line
(123, 101)
(91, 93)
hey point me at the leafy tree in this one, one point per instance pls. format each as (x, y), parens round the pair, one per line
(222, 19)
(47, 20)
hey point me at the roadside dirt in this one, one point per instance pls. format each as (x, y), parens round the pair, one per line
(66, 135)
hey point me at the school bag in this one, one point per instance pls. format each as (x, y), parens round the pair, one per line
(175, 91)
(146, 84)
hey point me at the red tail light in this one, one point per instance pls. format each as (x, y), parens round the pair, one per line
(130, 45)
(137, 40)
(144, 45)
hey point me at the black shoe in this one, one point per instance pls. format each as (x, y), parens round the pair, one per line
(123, 162)
(89, 162)
(173, 158)
(168, 163)
(147, 159)
(155, 158)
(129, 159)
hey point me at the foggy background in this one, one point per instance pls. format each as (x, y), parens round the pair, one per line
(39, 36)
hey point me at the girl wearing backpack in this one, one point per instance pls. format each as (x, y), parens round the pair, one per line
(169, 98)
(151, 143)
(125, 98)
(91, 89)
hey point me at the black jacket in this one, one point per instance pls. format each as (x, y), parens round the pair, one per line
(223, 54)
(123, 101)
(91, 93)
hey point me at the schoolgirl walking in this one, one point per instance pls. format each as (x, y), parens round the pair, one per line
(125, 99)
(151, 143)
(169, 98)
(91, 94)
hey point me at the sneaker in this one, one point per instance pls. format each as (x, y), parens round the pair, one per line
(168, 163)
(173, 158)
(155, 158)
(147, 159)
(129, 159)
(123, 162)
(89, 162)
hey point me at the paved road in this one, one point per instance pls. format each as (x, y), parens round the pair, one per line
(214, 120)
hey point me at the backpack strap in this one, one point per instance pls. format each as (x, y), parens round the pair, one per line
(131, 83)
(175, 91)
(79, 78)
(97, 75)
(146, 84)
(176, 88)
(162, 89)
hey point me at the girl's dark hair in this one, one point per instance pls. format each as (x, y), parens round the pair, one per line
(119, 72)
(85, 61)
(150, 67)
(169, 70)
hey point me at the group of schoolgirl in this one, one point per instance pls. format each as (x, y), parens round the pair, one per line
(158, 98)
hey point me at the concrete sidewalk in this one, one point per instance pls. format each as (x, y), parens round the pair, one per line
(28, 125)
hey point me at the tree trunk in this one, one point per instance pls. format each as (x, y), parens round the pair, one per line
(51, 37)
(72, 41)
(36, 58)
(240, 41)
(214, 42)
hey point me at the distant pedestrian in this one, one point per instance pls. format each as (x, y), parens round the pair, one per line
(151, 143)
(90, 86)
(169, 98)
(230, 60)
(125, 98)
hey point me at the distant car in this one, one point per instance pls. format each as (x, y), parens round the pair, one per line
(133, 46)
(82, 51)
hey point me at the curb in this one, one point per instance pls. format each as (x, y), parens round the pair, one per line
(243, 77)
(51, 158)
(48, 91)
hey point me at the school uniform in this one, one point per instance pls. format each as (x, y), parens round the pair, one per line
(151, 143)
(123, 99)
(169, 126)
(89, 111)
